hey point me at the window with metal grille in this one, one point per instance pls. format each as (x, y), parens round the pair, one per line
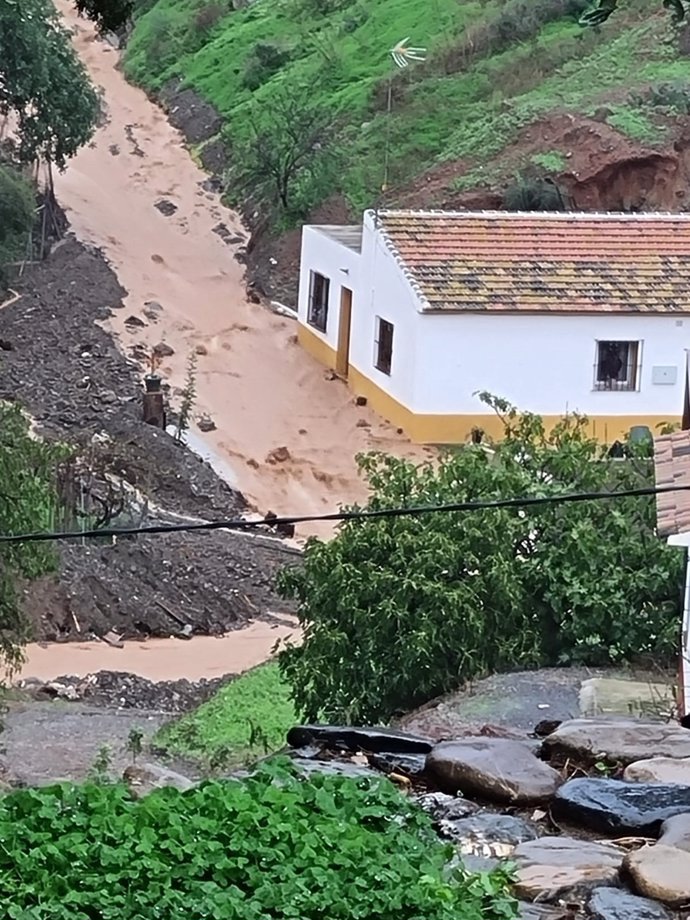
(383, 346)
(617, 366)
(317, 315)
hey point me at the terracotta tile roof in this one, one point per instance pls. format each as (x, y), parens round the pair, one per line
(498, 260)
(672, 467)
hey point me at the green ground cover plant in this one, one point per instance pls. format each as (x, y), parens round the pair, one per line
(271, 846)
(246, 719)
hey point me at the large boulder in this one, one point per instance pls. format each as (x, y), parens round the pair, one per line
(620, 740)
(659, 770)
(675, 832)
(493, 768)
(615, 904)
(554, 868)
(661, 872)
(610, 806)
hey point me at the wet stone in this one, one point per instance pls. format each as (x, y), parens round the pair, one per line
(335, 768)
(615, 904)
(404, 764)
(488, 835)
(496, 769)
(543, 912)
(443, 807)
(675, 832)
(552, 868)
(659, 770)
(610, 806)
(370, 740)
(166, 207)
(662, 873)
(621, 740)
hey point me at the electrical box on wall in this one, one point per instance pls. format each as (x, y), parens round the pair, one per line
(664, 375)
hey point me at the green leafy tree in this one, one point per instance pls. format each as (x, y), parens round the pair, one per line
(603, 9)
(289, 159)
(43, 86)
(28, 502)
(109, 15)
(397, 611)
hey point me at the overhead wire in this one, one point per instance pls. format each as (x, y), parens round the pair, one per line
(340, 516)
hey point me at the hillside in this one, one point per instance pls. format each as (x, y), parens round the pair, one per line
(510, 89)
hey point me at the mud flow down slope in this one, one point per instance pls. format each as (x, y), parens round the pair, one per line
(253, 380)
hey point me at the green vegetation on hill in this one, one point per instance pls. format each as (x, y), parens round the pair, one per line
(245, 720)
(491, 69)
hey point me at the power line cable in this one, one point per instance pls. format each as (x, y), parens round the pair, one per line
(336, 516)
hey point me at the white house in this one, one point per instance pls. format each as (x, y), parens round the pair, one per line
(554, 312)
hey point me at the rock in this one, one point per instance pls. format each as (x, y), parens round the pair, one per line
(675, 832)
(443, 807)
(5, 345)
(200, 350)
(615, 904)
(543, 912)
(362, 423)
(134, 321)
(495, 768)
(108, 397)
(661, 872)
(335, 768)
(153, 306)
(371, 740)
(620, 740)
(205, 423)
(487, 834)
(144, 778)
(163, 350)
(553, 867)
(166, 207)
(278, 455)
(360, 400)
(659, 770)
(610, 806)
(405, 764)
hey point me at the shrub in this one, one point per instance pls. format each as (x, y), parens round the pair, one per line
(534, 195)
(17, 203)
(271, 846)
(397, 611)
(266, 59)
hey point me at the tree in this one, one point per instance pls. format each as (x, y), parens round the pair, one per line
(109, 15)
(397, 611)
(604, 8)
(289, 157)
(28, 502)
(43, 86)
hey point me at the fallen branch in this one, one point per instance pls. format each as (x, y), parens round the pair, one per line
(13, 299)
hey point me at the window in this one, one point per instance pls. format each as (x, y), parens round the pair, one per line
(383, 347)
(617, 366)
(317, 315)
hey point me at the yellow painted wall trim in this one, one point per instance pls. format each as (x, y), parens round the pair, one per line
(456, 429)
(312, 343)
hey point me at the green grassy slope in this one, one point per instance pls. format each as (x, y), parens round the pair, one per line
(492, 67)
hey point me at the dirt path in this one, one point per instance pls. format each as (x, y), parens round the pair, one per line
(261, 390)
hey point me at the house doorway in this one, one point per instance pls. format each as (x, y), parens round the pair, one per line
(342, 361)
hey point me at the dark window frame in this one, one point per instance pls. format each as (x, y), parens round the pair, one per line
(383, 346)
(617, 365)
(317, 306)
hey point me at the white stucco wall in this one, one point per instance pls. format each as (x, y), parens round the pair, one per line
(328, 257)
(544, 363)
(384, 292)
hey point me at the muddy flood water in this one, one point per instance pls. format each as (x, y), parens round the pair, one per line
(159, 659)
(261, 390)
